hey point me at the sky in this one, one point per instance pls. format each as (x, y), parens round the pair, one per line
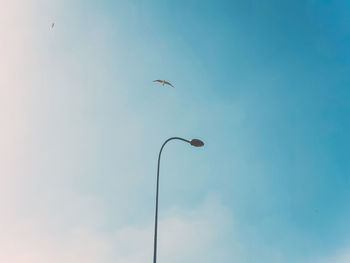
(265, 84)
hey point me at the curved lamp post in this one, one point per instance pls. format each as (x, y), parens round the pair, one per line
(193, 142)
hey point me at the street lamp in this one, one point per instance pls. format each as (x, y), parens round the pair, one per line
(193, 142)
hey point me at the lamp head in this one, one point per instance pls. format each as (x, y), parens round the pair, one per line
(196, 143)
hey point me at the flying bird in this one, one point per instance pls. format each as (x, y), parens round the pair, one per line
(163, 82)
(52, 25)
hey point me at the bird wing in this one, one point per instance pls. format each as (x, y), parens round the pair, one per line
(158, 80)
(166, 82)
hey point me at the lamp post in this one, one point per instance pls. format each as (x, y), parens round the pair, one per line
(193, 142)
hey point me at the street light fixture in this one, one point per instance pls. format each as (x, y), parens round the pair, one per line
(193, 142)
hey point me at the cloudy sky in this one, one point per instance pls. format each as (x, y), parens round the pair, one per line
(264, 83)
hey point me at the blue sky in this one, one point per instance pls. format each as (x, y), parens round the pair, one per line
(265, 85)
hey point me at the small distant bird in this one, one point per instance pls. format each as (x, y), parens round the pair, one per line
(163, 82)
(52, 25)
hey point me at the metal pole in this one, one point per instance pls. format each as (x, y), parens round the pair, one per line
(157, 191)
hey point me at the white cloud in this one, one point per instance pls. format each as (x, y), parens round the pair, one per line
(342, 256)
(186, 237)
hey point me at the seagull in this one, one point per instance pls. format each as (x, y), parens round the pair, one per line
(163, 82)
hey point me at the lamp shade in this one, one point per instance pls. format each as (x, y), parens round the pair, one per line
(196, 143)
